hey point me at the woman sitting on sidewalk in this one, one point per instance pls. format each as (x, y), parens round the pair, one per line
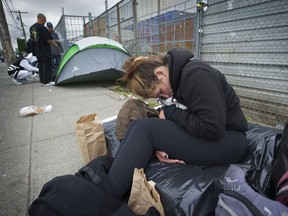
(210, 131)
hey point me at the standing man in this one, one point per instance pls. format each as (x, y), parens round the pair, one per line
(41, 49)
(56, 52)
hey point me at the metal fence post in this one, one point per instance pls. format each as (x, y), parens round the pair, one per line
(90, 24)
(199, 31)
(119, 25)
(62, 27)
(107, 19)
(201, 7)
(134, 5)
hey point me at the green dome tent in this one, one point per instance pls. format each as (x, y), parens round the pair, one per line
(92, 59)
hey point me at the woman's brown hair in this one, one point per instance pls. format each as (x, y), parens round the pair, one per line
(139, 74)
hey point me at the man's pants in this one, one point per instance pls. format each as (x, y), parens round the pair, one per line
(45, 69)
(23, 74)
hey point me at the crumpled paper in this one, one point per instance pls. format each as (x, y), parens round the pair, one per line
(33, 110)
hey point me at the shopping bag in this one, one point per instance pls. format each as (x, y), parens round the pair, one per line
(91, 138)
(144, 195)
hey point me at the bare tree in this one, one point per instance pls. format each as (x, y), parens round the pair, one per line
(8, 52)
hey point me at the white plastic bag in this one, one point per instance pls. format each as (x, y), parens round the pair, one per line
(33, 110)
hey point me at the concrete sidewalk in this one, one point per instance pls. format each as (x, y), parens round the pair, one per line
(33, 150)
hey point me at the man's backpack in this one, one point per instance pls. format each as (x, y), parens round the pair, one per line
(29, 46)
(85, 193)
(239, 198)
(15, 67)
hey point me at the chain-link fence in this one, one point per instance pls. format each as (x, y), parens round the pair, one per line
(142, 26)
(246, 40)
(149, 26)
(72, 28)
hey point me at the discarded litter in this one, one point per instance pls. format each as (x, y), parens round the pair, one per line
(132, 96)
(33, 110)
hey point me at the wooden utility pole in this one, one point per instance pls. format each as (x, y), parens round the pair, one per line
(20, 19)
(8, 52)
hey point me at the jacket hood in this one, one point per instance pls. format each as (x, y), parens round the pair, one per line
(177, 59)
(31, 58)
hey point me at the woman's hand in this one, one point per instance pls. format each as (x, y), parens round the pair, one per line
(163, 157)
(161, 115)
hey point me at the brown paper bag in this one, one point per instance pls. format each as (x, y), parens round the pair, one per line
(143, 194)
(91, 138)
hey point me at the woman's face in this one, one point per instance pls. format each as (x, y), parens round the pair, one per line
(163, 87)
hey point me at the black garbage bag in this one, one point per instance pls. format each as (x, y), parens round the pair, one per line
(281, 162)
(194, 190)
(110, 136)
(263, 145)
